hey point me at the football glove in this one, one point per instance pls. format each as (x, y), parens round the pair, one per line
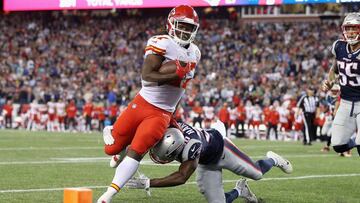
(141, 182)
(138, 183)
(181, 71)
(108, 138)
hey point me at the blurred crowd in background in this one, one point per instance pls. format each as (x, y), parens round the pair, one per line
(77, 73)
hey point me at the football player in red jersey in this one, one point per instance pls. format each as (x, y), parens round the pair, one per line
(8, 109)
(143, 123)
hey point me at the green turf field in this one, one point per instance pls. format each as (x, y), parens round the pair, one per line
(36, 166)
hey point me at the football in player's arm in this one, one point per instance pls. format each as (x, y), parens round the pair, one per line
(143, 123)
(346, 68)
(208, 152)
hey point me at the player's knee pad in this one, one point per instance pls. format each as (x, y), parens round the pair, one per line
(341, 148)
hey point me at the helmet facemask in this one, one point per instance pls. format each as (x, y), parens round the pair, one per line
(168, 158)
(351, 33)
(351, 28)
(182, 31)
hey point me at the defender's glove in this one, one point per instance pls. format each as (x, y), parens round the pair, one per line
(108, 138)
(181, 71)
(138, 183)
(141, 182)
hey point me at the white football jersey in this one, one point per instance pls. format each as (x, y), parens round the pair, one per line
(256, 114)
(233, 113)
(283, 114)
(33, 108)
(60, 108)
(209, 112)
(51, 107)
(248, 110)
(167, 96)
(42, 108)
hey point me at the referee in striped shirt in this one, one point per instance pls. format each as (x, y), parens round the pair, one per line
(309, 104)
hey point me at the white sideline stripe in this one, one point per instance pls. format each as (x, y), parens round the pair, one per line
(101, 147)
(193, 182)
(144, 162)
(269, 146)
(299, 155)
(78, 161)
(47, 148)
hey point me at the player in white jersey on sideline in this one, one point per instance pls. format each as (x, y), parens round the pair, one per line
(256, 119)
(233, 115)
(60, 114)
(43, 115)
(284, 114)
(33, 116)
(51, 115)
(209, 114)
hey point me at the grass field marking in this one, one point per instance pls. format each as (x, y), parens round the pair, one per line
(47, 189)
(143, 162)
(46, 148)
(78, 161)
(101, 147)
(258, 146)
(193, 182)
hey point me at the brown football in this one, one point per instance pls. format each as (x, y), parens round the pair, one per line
(170, 67)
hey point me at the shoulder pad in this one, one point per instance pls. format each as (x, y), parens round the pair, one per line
(157, 45)
(191, 150)
(336, 45)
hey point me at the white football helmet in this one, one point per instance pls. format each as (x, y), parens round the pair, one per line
(167, 149)
(351, 28)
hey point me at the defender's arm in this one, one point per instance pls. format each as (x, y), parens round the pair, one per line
(179, 177)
